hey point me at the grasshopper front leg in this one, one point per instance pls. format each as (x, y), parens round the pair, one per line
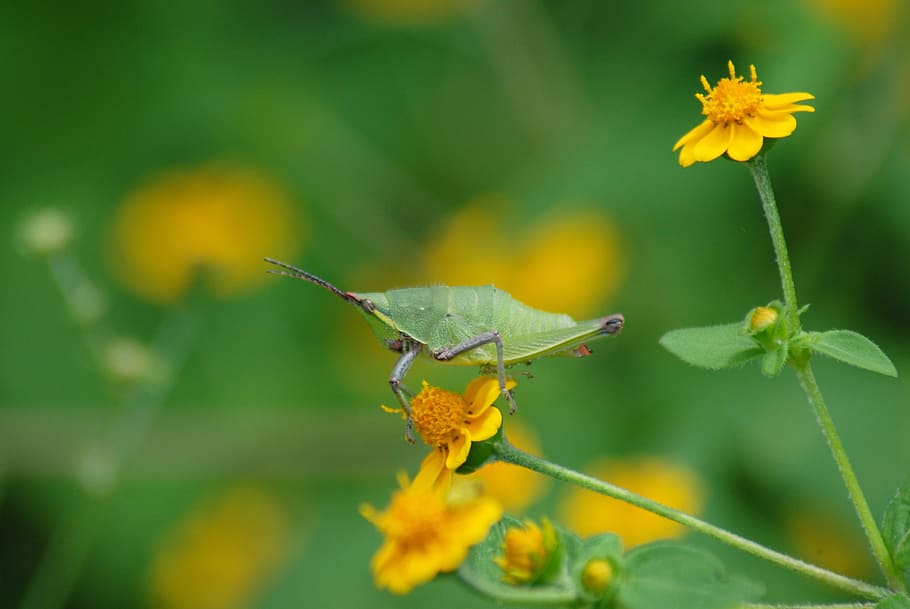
(447, 353)
(410, 349)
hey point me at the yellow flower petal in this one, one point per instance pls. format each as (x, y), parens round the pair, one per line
(485, 425)
(458, 450)
(775, 102)
(433, 473)
(714, 144)
(687, 155)
(772, 124)
(703, 129)
(744, 143)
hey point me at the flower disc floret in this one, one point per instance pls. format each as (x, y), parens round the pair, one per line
(451, 422)
(739, 117)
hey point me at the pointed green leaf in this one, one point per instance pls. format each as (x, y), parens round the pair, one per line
(895, 601)
(712, 347)
(480, 571)
(670, 574)
(772, 362)
(852, 348)
(896, 529)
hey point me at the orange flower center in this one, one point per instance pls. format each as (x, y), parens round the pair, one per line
(439, 415)
(733, 99)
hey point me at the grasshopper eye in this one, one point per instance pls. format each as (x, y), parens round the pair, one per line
(612, 324)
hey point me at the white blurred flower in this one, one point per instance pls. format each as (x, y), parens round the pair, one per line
(46, 231)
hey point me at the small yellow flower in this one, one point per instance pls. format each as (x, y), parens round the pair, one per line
(218, 219)
(514, 487)
(526, 551)
(428, 527)
(597, 576)
(740, 116)
(451, 422)
(221, 553)
(762, 318)
(588, 513)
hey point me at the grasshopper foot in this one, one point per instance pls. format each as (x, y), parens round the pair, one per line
(508, 396)
(409, 430)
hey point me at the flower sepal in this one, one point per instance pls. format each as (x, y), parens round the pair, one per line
(480, 454)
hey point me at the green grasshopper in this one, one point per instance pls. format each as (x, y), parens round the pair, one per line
(464, 325)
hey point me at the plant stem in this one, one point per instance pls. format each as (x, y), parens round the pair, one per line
(507, 452)
(758, 166)
(873, 534)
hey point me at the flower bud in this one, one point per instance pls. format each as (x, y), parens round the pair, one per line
(528, 553)
(762, 318)
(597, 576)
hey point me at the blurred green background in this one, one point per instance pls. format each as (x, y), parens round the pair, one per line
(382, 143)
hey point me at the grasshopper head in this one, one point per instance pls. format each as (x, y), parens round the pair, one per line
(612, 324)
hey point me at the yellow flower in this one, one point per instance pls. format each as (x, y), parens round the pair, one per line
(567, 262)
(451, 422)
(588, 513)
(221, 553)
(762, 318)
(740, 116)
(514, 487)
(428, 527)
(597, 576)
(526, 551)
(216, 219)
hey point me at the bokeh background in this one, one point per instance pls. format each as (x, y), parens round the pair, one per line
(180, 430)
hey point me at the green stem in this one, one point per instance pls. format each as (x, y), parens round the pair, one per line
(758, 166)
(873, 534)
(507, 452)
(810, 606)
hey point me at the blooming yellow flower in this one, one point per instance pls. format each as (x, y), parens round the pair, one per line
(428, 528)
(740, 116)
(514, 487)
(221, 553)
(588, 513)
(450, 422)
(569, 261)
(526, 551)
(218, 219)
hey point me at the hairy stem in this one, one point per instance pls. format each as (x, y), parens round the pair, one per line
(507, 452)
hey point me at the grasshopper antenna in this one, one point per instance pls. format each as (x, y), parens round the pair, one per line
(301, 274)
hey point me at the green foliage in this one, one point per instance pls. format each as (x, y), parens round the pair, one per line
(896, 529)
(852, 348)
(895, 601)
(653, 576)
(712, 347)
(670, 574)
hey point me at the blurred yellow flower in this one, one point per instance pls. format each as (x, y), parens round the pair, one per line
(588, 513)
(740, 116)
(597, 576)
(410, 12)
(221, 553)
(514, 487)
(527, 551)
(450, 422)
(823, 539)
(428, 527)
(868, 20)
(217, 219)
(568, 262)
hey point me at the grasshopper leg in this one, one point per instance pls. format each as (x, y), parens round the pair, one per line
(447, 353)
(409, 351)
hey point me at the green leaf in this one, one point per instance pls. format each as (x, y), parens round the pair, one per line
(712, 347)
(896, 529)
(895, 601)
(772, 362)
(852, 348)
(480, 571)
(670, 574)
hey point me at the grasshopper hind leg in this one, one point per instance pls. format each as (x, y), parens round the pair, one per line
(410, 349)
(447, 353)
